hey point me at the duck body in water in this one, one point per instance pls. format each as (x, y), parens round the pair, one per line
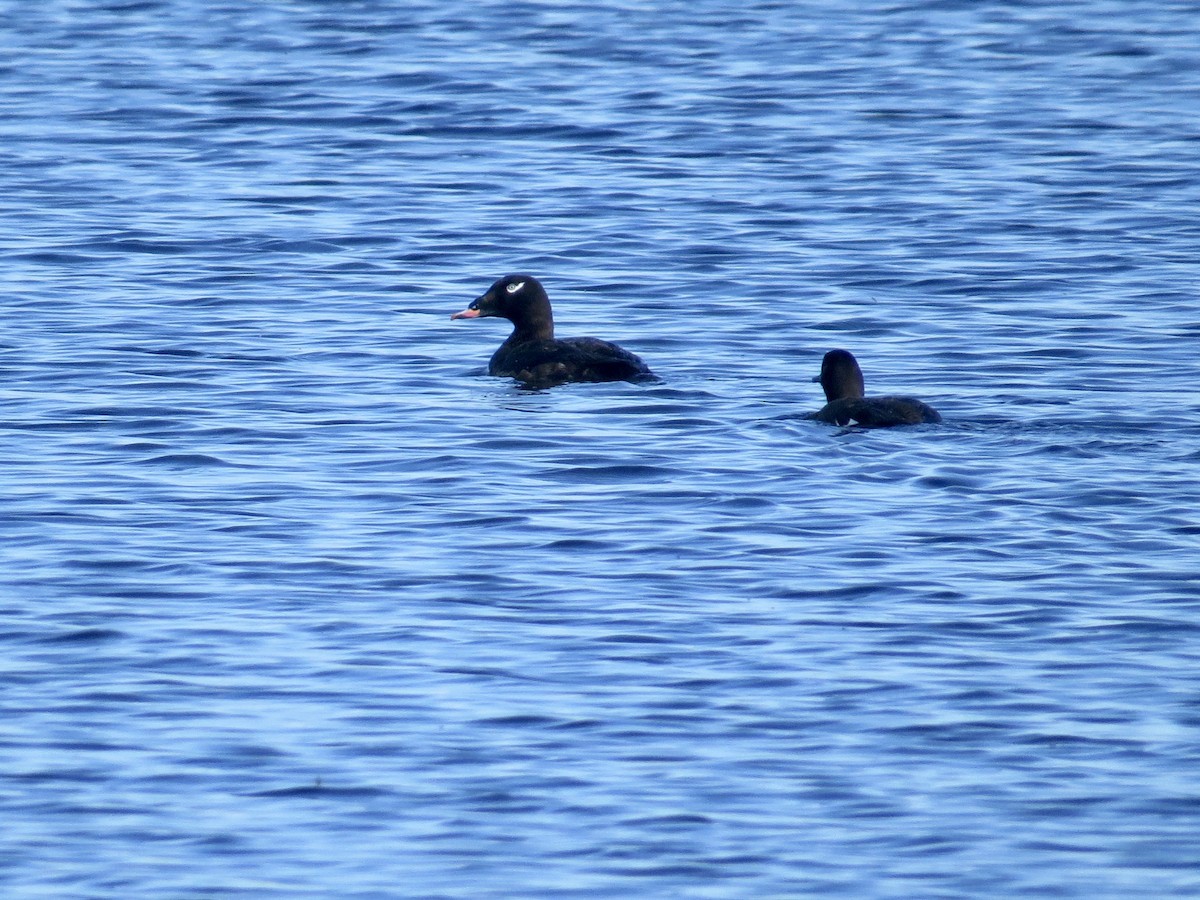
(847, 403)
(532, 354)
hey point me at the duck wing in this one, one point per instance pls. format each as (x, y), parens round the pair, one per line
(543, 363)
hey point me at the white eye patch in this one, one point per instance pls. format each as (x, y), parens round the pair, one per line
(515, 286)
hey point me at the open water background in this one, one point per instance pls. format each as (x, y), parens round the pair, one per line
(296, 602)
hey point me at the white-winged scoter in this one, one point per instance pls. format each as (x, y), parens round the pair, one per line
(847, 404)
(533, 354)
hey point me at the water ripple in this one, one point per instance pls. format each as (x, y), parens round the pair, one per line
(290, 581)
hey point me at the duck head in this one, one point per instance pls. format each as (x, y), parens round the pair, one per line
(519, 298)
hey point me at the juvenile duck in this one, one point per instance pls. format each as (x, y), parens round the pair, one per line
(533, 354)
(842, 380)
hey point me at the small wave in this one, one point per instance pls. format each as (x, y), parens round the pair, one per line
(187, 460)
(84, 636)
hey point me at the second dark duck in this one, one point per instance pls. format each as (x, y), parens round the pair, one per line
(533, 354)
(847, 404)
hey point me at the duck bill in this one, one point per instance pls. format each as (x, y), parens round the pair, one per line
(468, 313)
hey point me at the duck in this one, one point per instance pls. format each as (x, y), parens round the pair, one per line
(532, 354)
(847, 403)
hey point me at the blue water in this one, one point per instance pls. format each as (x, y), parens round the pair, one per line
(297, 602)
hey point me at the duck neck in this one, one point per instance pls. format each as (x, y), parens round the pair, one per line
(848, 388)
(534, 324)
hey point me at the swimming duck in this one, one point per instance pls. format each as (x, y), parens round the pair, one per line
(533, 354)
(847, 404)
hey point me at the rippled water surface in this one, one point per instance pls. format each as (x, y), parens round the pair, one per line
(298, 602)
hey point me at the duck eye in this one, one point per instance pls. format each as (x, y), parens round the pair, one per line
(515, 286)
